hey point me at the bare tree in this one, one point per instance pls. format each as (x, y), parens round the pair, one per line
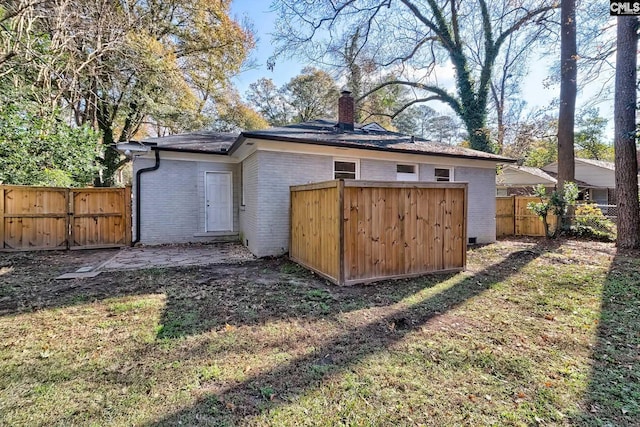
(625, 133)
(412, 37)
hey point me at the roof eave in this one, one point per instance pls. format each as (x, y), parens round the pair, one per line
(190, 150)
(361, 147)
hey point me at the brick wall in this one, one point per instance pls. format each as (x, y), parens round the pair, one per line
(173, 200)
(269, 234)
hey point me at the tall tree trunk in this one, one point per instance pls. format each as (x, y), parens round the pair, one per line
(568, 92)
(625, 133)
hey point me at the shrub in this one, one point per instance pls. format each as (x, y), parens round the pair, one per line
(590, 222)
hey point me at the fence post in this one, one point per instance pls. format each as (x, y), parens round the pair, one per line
(69, 218)
(2, 189)
(127, 214)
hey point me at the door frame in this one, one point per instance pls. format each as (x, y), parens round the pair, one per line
(206, 195)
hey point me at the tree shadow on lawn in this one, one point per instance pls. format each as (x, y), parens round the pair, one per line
(613, 395)
(272, 289)
(294, 378)
(198, 298)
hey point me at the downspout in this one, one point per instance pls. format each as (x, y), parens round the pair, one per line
(138, 192)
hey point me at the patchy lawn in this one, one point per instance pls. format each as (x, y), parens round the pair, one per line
(534, 332)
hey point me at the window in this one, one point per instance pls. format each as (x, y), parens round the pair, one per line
(406, 172)
(443, 174)
(345, 169)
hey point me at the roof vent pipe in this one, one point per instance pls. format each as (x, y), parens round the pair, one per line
(346, 111)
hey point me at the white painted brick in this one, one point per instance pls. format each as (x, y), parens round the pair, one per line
(173, 200)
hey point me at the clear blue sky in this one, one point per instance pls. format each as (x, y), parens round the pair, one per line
(257, 11)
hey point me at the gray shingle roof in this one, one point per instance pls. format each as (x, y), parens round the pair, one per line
(325, 132)
(319, 132)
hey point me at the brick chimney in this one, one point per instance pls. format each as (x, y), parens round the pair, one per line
(346, 110)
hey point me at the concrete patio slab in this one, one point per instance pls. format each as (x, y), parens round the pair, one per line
(78, 275)
(177, 256)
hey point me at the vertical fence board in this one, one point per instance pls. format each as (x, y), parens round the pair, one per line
(315, 224)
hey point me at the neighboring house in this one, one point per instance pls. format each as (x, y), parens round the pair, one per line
(598, 177)
(514, 180)
(205, 186)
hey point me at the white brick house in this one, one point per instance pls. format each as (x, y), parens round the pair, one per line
(209, 186)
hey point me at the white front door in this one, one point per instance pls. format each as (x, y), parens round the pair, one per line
(219, 201)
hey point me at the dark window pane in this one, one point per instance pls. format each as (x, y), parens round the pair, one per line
(406, 168)
(442, 174)
(345, 167)
(345, 175)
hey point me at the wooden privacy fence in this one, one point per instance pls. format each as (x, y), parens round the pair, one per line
(514, 219)
(363, 231)
(36, 218)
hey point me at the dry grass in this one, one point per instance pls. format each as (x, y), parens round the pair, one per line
(533, 333)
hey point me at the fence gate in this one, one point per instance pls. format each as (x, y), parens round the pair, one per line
(505, 217)
(38, 218)
(514, 219)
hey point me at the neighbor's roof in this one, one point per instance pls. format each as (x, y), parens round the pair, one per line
(599, 163)
(196, 142)
(532, 171)
(325, 132)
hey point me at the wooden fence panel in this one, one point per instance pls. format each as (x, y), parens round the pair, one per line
(379, 230)
(99, 217)
(39, 218)
(402, 232)
(34, 218)
(527, 222)
(514, 219)
(315, 229)
(505, 216)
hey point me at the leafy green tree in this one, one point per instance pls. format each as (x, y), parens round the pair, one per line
(124, 68)
(44, 150)
(589, 136)
(312, 94)
(269, 101)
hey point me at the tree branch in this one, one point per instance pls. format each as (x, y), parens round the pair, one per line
(441, 94)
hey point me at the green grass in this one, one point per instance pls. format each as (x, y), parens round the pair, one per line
(534, 333)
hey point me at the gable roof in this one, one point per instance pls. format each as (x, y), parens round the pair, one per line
(598, 163)
(326, 132)
(512, 176)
